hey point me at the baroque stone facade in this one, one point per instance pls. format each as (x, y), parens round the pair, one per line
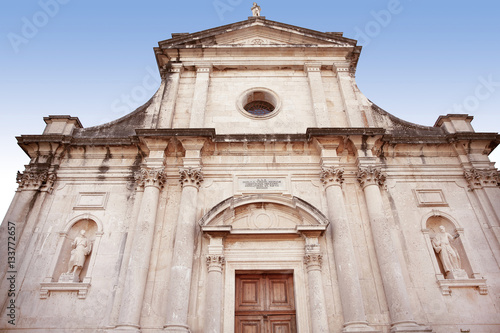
(257, 191)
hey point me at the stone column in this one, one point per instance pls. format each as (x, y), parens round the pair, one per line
(182, 260)
(167, 108)
(396, 294)
(23, 213)
(313, 71)
(213, 306)
(152, 179)
(317, 304)
(484, 183)
(347, 272)
(199, 103)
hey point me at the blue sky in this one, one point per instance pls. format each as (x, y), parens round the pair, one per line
(420, 59)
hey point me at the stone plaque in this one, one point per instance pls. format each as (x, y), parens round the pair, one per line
(430, 197)
(91, 200)
(261, 184)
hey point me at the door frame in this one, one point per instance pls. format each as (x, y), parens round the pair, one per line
(286, 265)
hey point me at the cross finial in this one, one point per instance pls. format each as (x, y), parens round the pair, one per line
(256, 9)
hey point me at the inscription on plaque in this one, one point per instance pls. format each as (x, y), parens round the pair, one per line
(262, 184)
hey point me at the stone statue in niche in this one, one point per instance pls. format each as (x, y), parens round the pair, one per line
(256, 9)
(81, 249)
(448, 255)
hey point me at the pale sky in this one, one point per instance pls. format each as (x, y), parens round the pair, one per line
(94, 59)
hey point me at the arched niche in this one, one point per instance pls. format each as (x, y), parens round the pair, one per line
(90, 228)
(431, 224)
(59, 266)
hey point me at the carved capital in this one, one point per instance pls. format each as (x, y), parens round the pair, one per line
(191, 177)
(150, 177)
(478, 178)
(32, 179)
(313, 261)
(331, 176)
(370, 176)
(215, 262)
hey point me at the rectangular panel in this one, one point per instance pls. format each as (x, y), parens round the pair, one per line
(282, 324)
(249, 293)
(280, 292)
(249, 324)
(91, 200)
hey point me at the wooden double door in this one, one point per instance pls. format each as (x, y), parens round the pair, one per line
(265, 303)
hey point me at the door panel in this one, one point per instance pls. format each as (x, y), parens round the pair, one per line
(265, 303)
(250, 324)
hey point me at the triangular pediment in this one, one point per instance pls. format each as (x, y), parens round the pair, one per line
(256, 32)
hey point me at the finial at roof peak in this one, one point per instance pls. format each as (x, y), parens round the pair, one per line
(256, 9)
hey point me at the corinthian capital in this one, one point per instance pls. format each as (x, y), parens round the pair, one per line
(313, 261)
(215, 262)
(478, 178)
(370, 176)
(150, 177)
(191, 177)
(331, 176)
(32, 179)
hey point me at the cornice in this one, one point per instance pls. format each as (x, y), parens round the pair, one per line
(310, 134)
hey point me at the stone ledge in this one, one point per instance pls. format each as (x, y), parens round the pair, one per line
(47, 287)
(446, 285)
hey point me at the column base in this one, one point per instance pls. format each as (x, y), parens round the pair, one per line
(359, 327)
(176, 329)
(410, 327)
(124, 329)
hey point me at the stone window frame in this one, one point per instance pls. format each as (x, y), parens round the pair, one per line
(49, 285)
(269, 96)
(476, 281)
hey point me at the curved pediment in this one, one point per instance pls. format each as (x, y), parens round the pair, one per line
(264, 214)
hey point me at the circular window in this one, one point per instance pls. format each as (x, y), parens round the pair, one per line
(259, 108)
(259, 103)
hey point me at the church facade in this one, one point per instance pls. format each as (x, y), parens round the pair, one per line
(258, 190)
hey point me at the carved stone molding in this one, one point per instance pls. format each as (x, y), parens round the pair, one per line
(313, 261)
(446, 285)
(191, 177)
(331, 176)
(478, 178)
(47, 287)
(370, 176)
(215, 262)
(150, 177)
(35, 179)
